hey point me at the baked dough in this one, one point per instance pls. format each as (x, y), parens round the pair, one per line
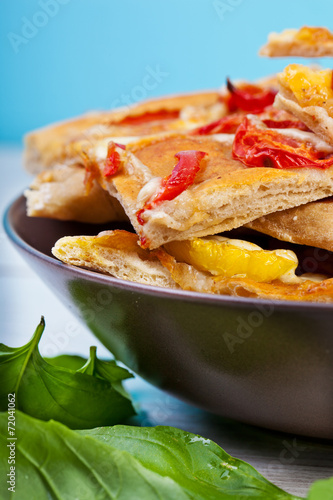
(65, 144)
(304, 42)
(57, 143)
(317, 117)
(60, 194)
(62, 142)
(116, 253)
(225, 194)
(310, 224)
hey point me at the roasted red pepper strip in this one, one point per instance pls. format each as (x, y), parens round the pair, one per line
(249, 98)
(229, 125)
(150, 116)
(112, 162)
(181, 177)
(226, 125)
(261, 147)
(278, 118)
(286, 124)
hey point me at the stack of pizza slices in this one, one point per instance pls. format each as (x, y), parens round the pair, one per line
(201, 178)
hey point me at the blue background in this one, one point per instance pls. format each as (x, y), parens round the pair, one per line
(86, 54)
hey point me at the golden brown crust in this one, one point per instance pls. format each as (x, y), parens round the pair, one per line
(310, 224)
(61, 142)
(61, 194)
(225, 194)
(188, 278)
(305, 42)
(116, 253)
(46, 146)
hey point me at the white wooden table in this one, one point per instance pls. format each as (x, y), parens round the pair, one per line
(289, 461)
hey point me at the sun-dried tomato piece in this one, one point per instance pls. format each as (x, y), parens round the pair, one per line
(262, 147)
(249, 98)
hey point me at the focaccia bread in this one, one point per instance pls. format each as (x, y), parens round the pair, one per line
(307, 93)
(310, 224)
(225, 193)
(116, 253)
(185, 168)
(304, 42)
(64, 145)
(60, 193)
(60, 142)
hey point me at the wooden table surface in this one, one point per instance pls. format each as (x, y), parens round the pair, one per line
(291, 462)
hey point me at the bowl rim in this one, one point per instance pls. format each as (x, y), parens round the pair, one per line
(185, 295)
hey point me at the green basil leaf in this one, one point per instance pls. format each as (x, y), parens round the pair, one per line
(321, 490)
(82, 399)
(125, 463)
(54, 462)
(67, 361)
(203, 469)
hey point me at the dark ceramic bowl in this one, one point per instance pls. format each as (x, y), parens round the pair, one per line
(268, 363)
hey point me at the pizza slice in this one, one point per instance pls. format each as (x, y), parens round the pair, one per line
(57, 151)
(183, 186)
(61, 193)
(304, 42)
(60, 142)
(214, 265)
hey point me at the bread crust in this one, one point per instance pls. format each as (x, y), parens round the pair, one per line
(60, 194)
(317, 42)
(310, 224)
(225, 194)
(116, 253)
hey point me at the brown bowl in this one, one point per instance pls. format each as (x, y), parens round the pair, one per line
(267, 363)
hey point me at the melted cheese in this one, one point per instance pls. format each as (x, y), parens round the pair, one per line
(307, 137)
(148, 190)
